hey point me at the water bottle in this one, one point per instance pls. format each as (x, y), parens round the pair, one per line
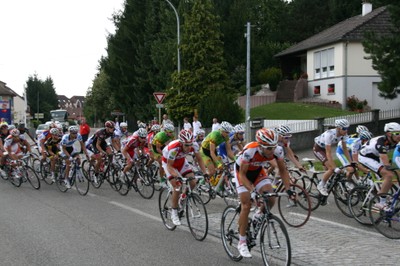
(181, 200)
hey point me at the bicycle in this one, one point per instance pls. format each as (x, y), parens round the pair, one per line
(189, 203)
(76, 177)
(274, 239)
(108, 170)
(137, 179)
(19, 171)
(387, 220)
(337, 184)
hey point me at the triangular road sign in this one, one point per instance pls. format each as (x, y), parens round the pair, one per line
(159, 96)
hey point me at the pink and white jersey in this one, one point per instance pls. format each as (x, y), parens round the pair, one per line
(174, 151)
(134, 142)
(14, 146)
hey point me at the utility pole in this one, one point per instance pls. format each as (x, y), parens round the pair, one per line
(247, 118)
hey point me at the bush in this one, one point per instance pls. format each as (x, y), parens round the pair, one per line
(354, 104)
(272, 76)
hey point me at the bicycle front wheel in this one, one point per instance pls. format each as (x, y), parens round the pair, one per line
(310, 186)
(386, 221)
(275, 242)
(164, 206)
(358, 204)
(32, 177)
(144, 185)
(230, 232)
(204, 191)
(341, 194)
(295, 212)
(197, 217)
(45, 172)
(81, 182)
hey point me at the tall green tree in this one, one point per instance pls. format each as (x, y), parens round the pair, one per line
(41, 96)
(384, 51)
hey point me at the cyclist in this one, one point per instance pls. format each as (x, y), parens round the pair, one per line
(323, 150)
(12, 145)
(42, 139)
(97, 145)
(3, 135)
(236, 140)
(210, 144)
(133, 148)
(374, 156)
(250, 175)
(68, 151)
(396, 156)
(155, 128)
(175, 164)
(353, 146)
(52, 149)
(121, 134)
(200, 136)
(160, 140)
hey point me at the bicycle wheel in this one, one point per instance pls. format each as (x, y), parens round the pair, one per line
(386, 221)
(31, 176)
(310, 187)
(231, 197)
(45, 172)
(230, 232)
(295, 175)
(164, 206)
(60, 184)
(81, 182)
(296, 212)
(15, 180)
(358, 204)
(204, 192)
(152, 173)
(36, 165)
(341, 194)
(144, 185)
(197, 218)
(275, 242)
(124, 183)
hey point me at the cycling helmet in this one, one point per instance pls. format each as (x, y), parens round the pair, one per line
(123, 124)
(342, 123)
(142, 132)
(11, 127)
(365, 135)
(283, 130)
(226, 126)
(54, 131)
(391, 127)
(110, 124)
(238, 128)
(155, 128)
(361, 128)
(267, 137)
(185, 136)
(168, 127)
(14, 132)
(4, 125)
(200, 132)
(73, 129)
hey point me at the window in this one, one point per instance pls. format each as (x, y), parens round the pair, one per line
(331, 89)
(324, 64)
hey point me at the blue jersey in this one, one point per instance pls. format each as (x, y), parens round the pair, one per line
(221, 149)
(66, 141)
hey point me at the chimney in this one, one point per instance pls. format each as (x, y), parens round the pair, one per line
(366, 7)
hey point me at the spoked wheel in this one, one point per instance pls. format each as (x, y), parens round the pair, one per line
(164, 206)
(16, 181)
(358, 204)
(144, 185)
(197, 217)
(296, 212)
(230, 232)
(311, 188)
(45, 172)
(275, 242)
(81, 182)
(123, 182)
(61, 184)
(204, 190)
(387, 220)
(31, 176)
(341, 193)
(231, 197)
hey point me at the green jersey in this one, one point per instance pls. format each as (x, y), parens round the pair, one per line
(161, 138)
(214, 137)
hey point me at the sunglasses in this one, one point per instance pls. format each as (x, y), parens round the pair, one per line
(188, 144)
(142, 137)
(345, 128)
(241, 133)
(268, 148)
(73, 133)
(395, 133)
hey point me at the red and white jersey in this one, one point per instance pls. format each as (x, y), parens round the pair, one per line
(174, 151)
(150, 136)
(252, 157)
(14, 146)
(134, 142)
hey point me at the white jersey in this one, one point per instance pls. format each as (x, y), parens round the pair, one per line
(329, 137)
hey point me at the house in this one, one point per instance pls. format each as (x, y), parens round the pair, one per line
(10, 104)
(73, 105)
(335, 62)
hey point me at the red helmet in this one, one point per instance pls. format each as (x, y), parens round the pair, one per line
(267, 137)
(185, 136)
(110, 124)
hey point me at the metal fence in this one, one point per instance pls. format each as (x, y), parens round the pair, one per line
(309, 125)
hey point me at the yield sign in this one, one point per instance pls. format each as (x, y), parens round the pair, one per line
(159, 96)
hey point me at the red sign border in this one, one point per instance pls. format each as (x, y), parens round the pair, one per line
(163, 94)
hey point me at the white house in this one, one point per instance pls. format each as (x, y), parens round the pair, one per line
(334, 60)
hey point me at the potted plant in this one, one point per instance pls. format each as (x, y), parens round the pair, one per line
(360, 107)
(317, 90)
(331, 89)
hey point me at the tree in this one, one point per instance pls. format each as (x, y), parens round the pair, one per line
(384, 51)
(41, 96)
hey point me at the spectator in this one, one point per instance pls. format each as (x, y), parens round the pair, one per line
(84, 130)
(216, 125)
(196, 125)
(186, 124)
(166, 120)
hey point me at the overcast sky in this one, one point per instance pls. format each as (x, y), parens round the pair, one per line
(61, 39)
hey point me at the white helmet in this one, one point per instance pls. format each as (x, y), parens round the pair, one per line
(200, 132)
(185, 136)
(169, 127)
(123, 124)
(361, 128)
(342, 123)
(238, 129)
(11, 127)
(391, 127)
(365, 135)
(142, 132)
(226, 126)
(266, 137)
(283, 130)
(155, 127)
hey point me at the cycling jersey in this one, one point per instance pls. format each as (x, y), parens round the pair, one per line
(234, 145)
(132, 143)
(14, 145)
(329, 137)
(396, 156)
(69, 143)
(102, 135)
(160, 138)
(52, 145)
(376, 146)
(174, 151)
